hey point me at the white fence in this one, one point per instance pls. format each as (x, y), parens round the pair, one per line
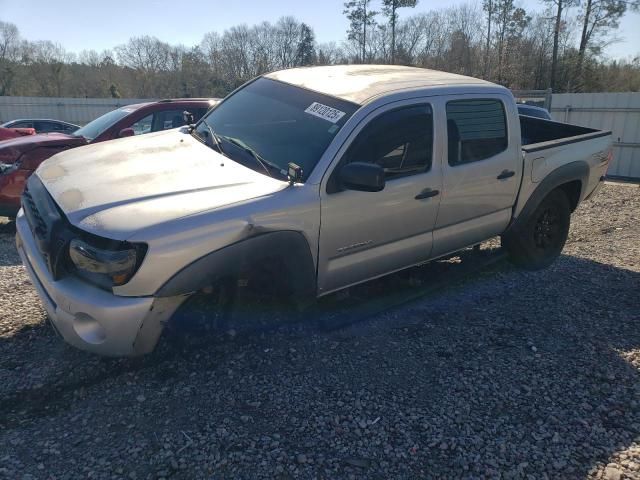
(618, 112)
(75, 110)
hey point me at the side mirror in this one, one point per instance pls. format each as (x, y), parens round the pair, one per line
(361, 176)
(126, 132)
(187, 117)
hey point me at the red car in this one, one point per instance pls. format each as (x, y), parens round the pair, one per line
(20, 157)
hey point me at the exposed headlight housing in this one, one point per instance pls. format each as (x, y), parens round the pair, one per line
(104, 266)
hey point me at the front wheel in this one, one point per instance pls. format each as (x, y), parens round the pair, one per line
(541, 239)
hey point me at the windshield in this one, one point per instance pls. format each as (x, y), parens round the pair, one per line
(92, 129)
(278, 123)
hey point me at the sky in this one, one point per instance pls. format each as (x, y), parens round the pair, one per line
(99, 25)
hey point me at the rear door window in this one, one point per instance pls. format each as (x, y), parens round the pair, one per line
(143, 125)
(45, 127)
(476, 130)
(167, 119)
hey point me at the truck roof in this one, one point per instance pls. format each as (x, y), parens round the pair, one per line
(360, 83)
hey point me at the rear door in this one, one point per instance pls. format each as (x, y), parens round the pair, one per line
(482, 170)
(368, 234)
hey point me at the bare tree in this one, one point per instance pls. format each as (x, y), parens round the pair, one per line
(510, 22)
(465, 27)
(559, 6)
(489, 7)
(47, 61)
(9, 54)
(411, 36)
(147, 56)
(330, 53)
(598, 18)
(287, 31)
(9, 41)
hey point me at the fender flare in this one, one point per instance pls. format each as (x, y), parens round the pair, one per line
(578, 170)
(290, 247)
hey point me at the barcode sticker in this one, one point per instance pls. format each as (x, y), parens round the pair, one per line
(325, 112)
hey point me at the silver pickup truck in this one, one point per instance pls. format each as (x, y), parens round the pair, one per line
(308, 180)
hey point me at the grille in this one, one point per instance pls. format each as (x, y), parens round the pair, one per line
(40, 225)
(48, 225)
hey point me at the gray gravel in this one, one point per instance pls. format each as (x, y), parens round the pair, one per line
(504, 374)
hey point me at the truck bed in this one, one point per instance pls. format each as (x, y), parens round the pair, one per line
(539, 134)
(549, 145)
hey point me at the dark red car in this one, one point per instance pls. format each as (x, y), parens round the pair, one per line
(20, 157)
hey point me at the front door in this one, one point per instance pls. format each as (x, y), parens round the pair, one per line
(368, 234)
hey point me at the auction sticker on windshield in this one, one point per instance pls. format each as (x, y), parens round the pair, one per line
(325, 112)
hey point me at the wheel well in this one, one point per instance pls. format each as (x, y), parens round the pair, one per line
(271, 275)
(290, 248)
(572, 190)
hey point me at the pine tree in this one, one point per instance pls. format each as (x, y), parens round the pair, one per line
(306, 53)
(360, 18)
(390, 9)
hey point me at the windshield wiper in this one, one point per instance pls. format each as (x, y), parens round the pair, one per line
(215, 138)
(264, 163)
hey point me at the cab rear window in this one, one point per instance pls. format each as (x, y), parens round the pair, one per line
(476, 130)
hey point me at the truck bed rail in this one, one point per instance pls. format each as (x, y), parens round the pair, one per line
(540, 134)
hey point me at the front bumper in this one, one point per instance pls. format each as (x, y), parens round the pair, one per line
(90, 318)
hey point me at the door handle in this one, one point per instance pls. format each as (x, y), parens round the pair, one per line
(506, 174)
(427, 193)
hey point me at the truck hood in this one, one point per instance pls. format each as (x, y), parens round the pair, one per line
(115, 189)
(11, 150)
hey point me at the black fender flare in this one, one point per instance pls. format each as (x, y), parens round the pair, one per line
(578, 170)
(289, 247)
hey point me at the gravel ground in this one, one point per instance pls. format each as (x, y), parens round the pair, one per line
(505, 374)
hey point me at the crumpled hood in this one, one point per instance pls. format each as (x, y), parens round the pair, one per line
(114, 189)
(10, 150)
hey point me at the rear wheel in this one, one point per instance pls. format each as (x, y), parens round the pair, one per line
(541, 239)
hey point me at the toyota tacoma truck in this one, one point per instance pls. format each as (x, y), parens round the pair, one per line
(307, 180)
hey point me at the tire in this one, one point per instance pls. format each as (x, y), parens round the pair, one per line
(537, 243)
